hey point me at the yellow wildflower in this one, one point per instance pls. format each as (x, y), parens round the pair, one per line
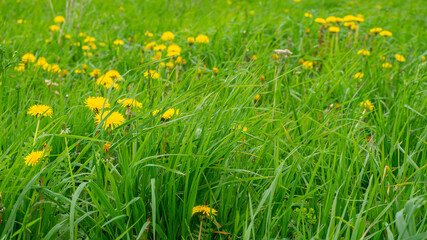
(59, 19)
(97, 103)
(40, 110)
(204, 210)
(202, 39)
(33, 158)
(399, 57)
(167, 36)
(130, 102)
(367, 105)
(111, 121)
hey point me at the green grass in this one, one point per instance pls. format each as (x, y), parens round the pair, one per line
(313, 163)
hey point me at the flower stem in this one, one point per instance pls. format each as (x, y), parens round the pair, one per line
(69, 164)
(37, 129)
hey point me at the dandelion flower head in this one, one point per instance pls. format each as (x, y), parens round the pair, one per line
(130, 102)
(111, 121)
(167, 36)
(33, 158)
(40, 110)
(202, 39)
(204, 210)
(97, 103)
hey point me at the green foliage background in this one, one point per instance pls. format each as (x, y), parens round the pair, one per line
(302, 170)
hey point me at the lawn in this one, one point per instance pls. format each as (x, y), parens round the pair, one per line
(227, 119)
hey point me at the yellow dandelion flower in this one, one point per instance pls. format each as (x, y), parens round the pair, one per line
(364, 52)
(95, 73)
(173, 50)
(89, 39)
(308, 15)
(386, 33)
(334, 29)
(130, 102)
(387, 65)
(20, 21)
(170, 65)
(150, 45)
(148, 34)
(158, 56)
(118, 42)
(28, 58)
(111, 121)
(358, 75)
(46, 67)
(367, 105)
(191, 40)
(55, 68)
(375, 30)
(159, 47)
(54, 28)
(349, 18)
(423, 58)
(204, 210)
(359, 18)
(399, 57)
(33, 158)
(254, 57)
(202, 39)
(114, 75)
(331, 19)
(40, 110)
(153, 74)
(167, 36)
(178, 60)
(320, 20)
(308, 64)
(41, 61)
(257, 97)
(215, 70)
(105, 81)
(349, 24)
(168, 114)
(20, 67)
(97, 103)
(252, 12)
(92, 45)
(59, 19)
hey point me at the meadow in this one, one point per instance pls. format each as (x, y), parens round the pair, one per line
(227, 119)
